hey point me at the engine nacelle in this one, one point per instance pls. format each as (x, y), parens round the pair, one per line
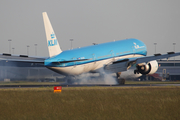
(149, 68)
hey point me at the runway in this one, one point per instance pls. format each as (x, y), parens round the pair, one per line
(85, 85)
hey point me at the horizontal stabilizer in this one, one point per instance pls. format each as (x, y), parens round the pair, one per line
(23, 59)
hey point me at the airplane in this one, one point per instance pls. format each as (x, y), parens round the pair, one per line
(112, 57)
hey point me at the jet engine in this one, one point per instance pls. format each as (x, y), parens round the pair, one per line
(149, 68)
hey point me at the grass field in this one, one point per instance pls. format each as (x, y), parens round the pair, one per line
(91, 103)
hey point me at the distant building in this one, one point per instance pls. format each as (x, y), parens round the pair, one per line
(169, 70)
(14, 70)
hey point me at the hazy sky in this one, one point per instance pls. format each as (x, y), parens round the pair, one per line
(89, 21)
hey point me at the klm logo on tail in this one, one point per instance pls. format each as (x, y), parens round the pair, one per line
(52, 42)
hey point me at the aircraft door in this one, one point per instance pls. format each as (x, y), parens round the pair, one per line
(94, 57)
(112, 54)
(134, 50)
(74, 62)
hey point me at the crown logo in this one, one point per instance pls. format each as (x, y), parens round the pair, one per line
(52, 35)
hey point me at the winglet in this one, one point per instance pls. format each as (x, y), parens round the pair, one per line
(52, 42)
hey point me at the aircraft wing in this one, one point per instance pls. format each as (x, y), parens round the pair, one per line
(156, 57)
(22, 58)
(124, 64)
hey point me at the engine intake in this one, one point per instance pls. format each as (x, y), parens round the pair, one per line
(149, 68)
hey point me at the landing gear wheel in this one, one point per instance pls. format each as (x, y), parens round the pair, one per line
(121, 81)
(136, 72)
(69, 79)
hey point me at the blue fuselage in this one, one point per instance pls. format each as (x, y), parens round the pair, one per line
(98, 52)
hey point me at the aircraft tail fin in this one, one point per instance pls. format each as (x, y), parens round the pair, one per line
(52, 42)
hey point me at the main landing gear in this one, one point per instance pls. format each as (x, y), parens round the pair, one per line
(70, 79)
(120, 81)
